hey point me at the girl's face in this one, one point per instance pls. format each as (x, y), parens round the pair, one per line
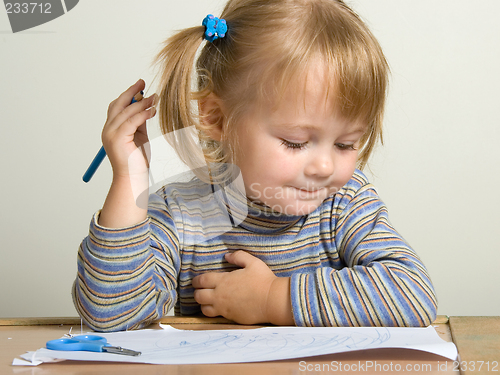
(294, 155)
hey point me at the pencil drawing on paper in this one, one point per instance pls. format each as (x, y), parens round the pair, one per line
(249, 344)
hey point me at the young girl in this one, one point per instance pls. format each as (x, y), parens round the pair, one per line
(292, 94)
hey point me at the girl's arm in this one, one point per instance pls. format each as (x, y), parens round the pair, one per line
(127, 277)
(384, 283)
(128, 265)
(124, 137)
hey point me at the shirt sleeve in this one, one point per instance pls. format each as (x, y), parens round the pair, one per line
(383, 283)
(127, 277)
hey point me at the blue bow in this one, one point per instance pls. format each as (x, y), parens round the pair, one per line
(215, 28)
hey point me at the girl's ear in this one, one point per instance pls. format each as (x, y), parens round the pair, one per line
(212, 116)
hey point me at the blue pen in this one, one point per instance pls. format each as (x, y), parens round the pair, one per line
(102, 153)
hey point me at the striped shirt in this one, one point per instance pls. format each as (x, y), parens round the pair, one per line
(347, 265)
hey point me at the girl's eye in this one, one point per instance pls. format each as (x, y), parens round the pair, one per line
(293, 145)
(344, 147)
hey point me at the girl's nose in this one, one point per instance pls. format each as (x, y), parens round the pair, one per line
(320, 165)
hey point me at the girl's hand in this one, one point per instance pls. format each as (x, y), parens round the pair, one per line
(124, 132)
(246, 295)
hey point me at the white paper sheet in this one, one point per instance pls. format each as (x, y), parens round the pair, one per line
(174, 346)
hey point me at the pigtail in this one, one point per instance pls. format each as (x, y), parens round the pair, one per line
(176, 111)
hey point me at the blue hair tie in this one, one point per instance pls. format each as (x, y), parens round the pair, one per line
(215, 28)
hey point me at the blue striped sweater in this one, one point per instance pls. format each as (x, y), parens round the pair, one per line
(347, 265)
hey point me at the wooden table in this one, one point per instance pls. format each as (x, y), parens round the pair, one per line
(477, 339)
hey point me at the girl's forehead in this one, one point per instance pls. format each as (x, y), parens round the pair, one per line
(307, 105)
(315, 88)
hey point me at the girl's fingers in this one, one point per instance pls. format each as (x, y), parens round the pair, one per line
(116, 135)
(207, 280)
(139, 111)
(131, 124)
(209, 310)
(139, 106)
(204, 296)
(125, 98)
(240, 258)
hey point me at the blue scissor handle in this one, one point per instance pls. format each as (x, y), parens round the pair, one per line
(89, 343)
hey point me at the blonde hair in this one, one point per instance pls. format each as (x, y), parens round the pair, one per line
(268, 44)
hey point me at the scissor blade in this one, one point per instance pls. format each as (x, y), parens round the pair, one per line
(120, 350)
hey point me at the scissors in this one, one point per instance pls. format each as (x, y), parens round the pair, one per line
(89, 343)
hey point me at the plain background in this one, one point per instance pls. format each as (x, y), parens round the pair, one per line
(437, 172)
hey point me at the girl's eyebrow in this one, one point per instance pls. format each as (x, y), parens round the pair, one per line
(359, 129)
(293, 126)
(298, 126)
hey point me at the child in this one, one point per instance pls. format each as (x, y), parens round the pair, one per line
(292, 94)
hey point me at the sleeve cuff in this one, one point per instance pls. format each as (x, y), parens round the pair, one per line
(127, 238)
(301, 303)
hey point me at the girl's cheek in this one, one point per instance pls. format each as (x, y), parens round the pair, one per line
(287, 168)
(346, 168)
